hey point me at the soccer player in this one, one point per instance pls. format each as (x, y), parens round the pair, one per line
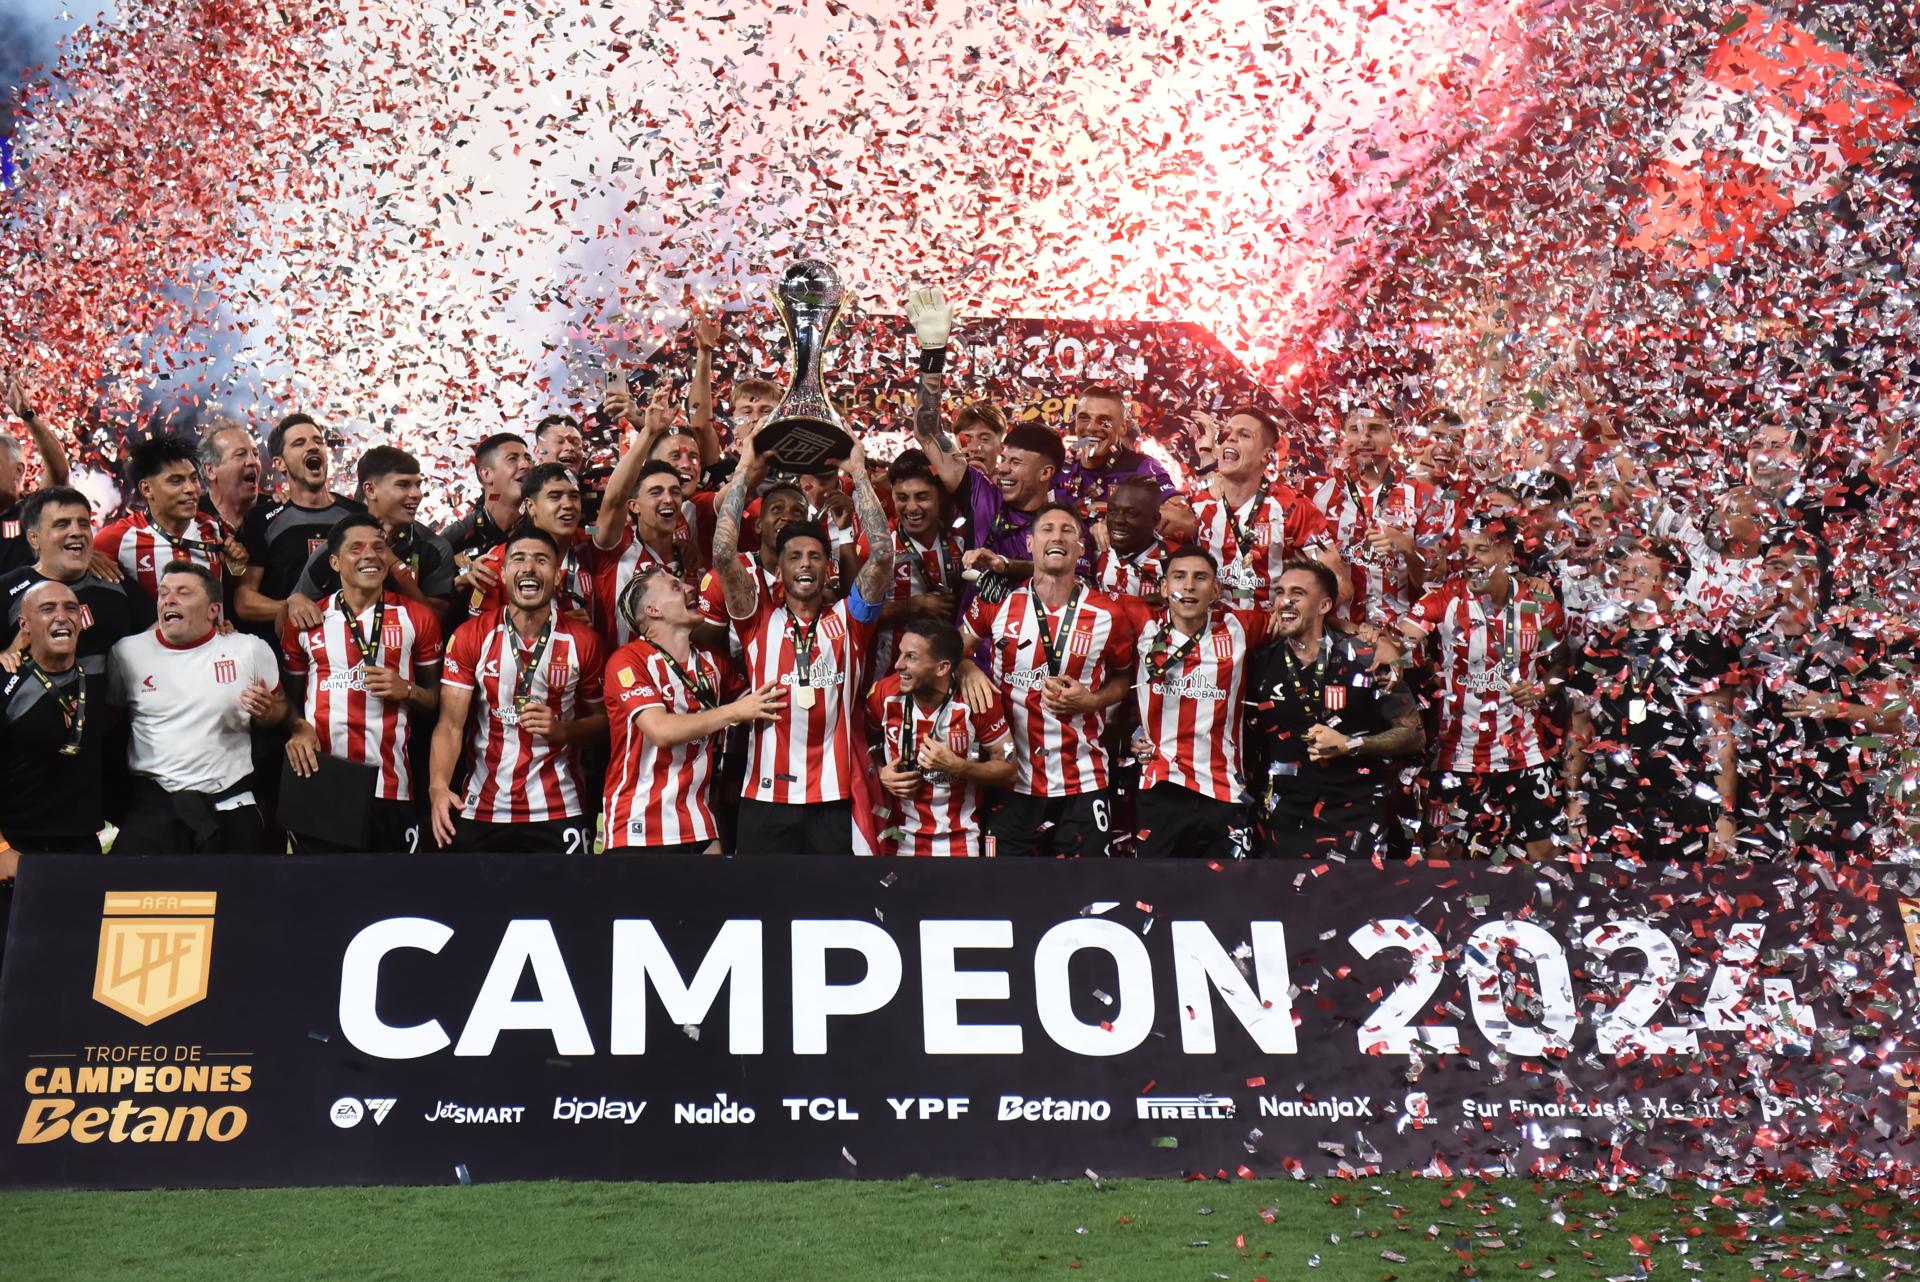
(666, 713)
(519, 693)
(1064, 656)
(1102, 424)
(781, 505)
(1135, 557)
(281, 537)
(59, 524)
(1649, 764)
(978, 429)
(192, 692)
(500, 464)
(640, 530)
(17, 399)
(1187, 690)
(926, 555)
(230, 462)
(557, 439)
(164, 472)
(801, 766)
(1390, 528)
(935, 755)
(551, 498)
(1496, 637)
(1325, 730)
(363, 674)
(1250, 526)
(420, 562)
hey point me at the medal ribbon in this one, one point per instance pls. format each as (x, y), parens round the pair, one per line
(696, 683)
(1050, 645)
(526, 665)
(368, 645)
(73, 708)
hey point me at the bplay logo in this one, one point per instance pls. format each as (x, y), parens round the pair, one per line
(624, 1111)
(348, 1112)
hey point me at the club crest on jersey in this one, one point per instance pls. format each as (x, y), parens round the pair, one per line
(86, 616)
(1222, 646)
(390, 636)
(225, 672)
(1336, 698)
(957, 739)
(9, 529)
(1080, 643)
(627, 678)
(832, 627)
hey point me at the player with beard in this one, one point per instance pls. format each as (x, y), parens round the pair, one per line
(230, 462)
(1187, 694)
(550, 501)
(1063, 655)
(1102, 426)
(642, 532)
(666, 712)
(1135, 557)
(500, 464)
(926, 555)
(17, 399)
(1250, 526)
(1439, 460)
(1498, 641)
(781, 505)
(802, 766)
(520, 693)
(420, 565)
(1390, 527)
(163, 471)
(281, 537)
(1326, 731)
(59, 523)
(1649, 764)
(933, 753)
(363, 675)
(1000, 510)
(192, 692)
(1829, 690)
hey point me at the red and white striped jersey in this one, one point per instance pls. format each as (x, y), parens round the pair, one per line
(657, 796)
(1482, 650)
(1139, 575)
(917, 571)
(808, 754)
(352, 724)
(1189, 692)
(613, 569)
(1252, 542)
(1382, 586)
(142, 549)
(1054, 756)
(578, 573)
(519, 777)
(940, 818)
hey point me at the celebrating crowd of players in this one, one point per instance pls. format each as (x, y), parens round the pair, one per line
(995, 646)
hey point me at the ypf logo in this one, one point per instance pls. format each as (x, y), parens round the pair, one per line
(155, 951)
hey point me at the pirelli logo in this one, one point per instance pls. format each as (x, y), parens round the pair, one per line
(156, 948)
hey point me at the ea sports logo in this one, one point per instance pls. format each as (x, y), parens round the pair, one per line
(346, 1112)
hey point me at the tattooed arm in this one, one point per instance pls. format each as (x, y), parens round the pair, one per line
(932, 319)
(736, 580)
(876, 576)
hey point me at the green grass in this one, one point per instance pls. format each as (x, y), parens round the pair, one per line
(1157, 1231)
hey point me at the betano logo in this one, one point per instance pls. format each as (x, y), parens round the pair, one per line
(156, 948)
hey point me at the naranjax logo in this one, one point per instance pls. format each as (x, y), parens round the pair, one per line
(155, 952)
(1185, 1108)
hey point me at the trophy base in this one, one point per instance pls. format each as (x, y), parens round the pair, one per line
(803, 445)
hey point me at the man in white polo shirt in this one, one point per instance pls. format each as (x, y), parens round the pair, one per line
(192, 691)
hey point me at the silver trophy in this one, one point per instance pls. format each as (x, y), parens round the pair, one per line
(805, 432)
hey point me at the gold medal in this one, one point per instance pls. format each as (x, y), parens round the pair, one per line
(803, 696)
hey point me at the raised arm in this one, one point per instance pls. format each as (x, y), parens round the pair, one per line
(706, 337)
(932, 319)
(53, 455)
(613, 504)
(736, 580)
(876, 576)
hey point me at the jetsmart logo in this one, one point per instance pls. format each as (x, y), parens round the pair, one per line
(1185, 1108)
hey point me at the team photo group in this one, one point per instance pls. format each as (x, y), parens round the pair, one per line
(1010, 638)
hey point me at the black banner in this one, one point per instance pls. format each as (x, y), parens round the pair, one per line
(289, 1021)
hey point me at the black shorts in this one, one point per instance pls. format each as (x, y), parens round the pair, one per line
(1490, 812)
(1176, 822)
(1060, 827)
(677, 848)
(1650, 826)
(537, 837)
(772, 828)
(393, 828)
(1305, 830)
